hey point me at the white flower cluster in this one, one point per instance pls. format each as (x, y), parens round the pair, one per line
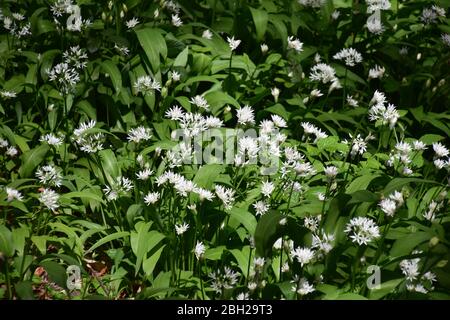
(310, 129)
(375, 5)
(362, 230)
(49, 175)
(88, 141)
(392, 203)
(312, 3)
(146, 85)
(183, 186)
(120, 187)
(379, 112)
(11, 151)
(223, 280)
(414, 282)
(350, 56)
(432, 14)
(441, 156)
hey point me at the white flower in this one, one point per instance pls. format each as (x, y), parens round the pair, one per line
(146, 85)
(325, 244)
(121, 186)
(374, 24)
(267, 188)
(303, 255)
(200, 102)
(351, 101)
(410, 268)
(76, 57)
(175, 113)
(331, 172)
(151, 198)
(294, 43)
(226, 195)
(199, 250)
(261, 207)
(13, 194)
(440, 150)
(245, 115)
(64, 76)
(243, 296)
(419, 145)
(175, 76)
(12, 151)
(388, 206)
(312, 129)
(144, 174)
(439, 163)
(233, 43)
(312, 222)
(181, 228)
(213, 122)
(49, 198)
(362, 230)
(140, 133)
(320, 196)
(312, 3)
(207, 34)
(122, 50)
(279, 121)
(375, 5)
(349, 55)
(378, 110)
(397, 197)
(376, 72)
(8, 94)
(275, 93)
(259, 262)
(335, 15)
(303, 287)
(176, 21)
(446, 39)
(52, 139)
(264, 48)
(204, 194)
(132, 23)
(322, 72)
(49, 175)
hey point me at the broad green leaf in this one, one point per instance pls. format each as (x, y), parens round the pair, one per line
(384, 289)
(182, 58)
(108, 238)
(244, 217)
(214, 253)
(142, 241)
(111, 69)
(149, 264)
(398, 183)
(85, 194)
(6, 245)
(260, 18)
(243, 258)
(361, 183)
(56, 272)
(153, 44)
(207, 174)
(31, 159)
(404, 246)
(267, 232)
(109, 163)
(24, 290)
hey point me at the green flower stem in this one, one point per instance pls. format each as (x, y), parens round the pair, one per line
(356, 265)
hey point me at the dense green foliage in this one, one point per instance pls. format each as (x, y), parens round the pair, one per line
(348, 99)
